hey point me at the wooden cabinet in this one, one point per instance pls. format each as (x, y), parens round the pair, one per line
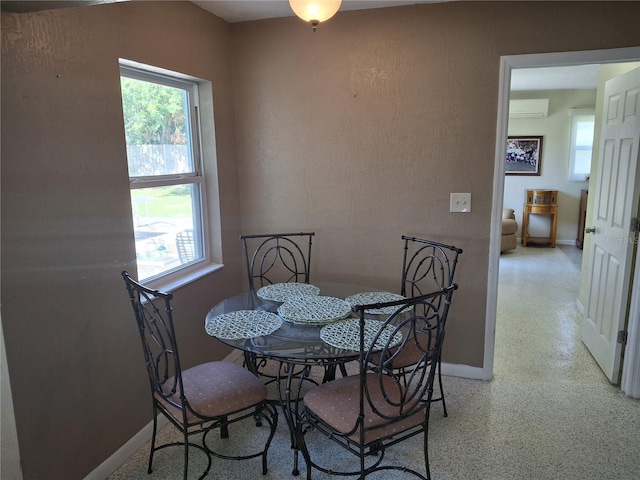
(540, 202)
(582, 219)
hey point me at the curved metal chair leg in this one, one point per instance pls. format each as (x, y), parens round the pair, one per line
(426, 453)
(153, 438)
(444, 405)
(186, 455)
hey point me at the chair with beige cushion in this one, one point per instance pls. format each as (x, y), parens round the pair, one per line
(509, 230)
(375, 409)
(202, 399)
(427, 266)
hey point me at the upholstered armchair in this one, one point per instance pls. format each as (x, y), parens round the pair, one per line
(509, 230)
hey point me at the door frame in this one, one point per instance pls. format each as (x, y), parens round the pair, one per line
(507, 64)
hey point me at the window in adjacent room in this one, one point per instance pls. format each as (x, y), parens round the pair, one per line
(582, 126)
(165, 171)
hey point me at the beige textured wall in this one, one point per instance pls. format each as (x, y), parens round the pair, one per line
(359, 131)
(77, 374)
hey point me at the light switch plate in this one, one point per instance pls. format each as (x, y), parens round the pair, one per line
(460, 202)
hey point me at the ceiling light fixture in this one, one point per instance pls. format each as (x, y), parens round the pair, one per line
(315, 11)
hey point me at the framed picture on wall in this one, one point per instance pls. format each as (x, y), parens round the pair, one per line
(523, 156)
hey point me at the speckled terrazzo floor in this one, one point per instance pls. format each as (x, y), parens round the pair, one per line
(548, 414)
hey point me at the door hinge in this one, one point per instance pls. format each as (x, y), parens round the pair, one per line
(622, 337)
(635, 225)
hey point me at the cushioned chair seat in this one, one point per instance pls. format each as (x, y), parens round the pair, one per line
(336, 404)
(216, 389)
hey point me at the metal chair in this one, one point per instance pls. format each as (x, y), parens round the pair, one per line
(186, 246)
(373, 410)
(427, 266)
(208, 397)
(277, 258)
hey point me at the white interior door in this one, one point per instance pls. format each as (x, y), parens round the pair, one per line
(616, 203)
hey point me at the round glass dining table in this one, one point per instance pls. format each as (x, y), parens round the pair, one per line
(292, 344)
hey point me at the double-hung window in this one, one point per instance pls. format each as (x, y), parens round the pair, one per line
(165, 171)
(582, 126)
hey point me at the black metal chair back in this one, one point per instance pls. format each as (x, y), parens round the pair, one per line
(154, 318)
(427, 266)
(370, 411)
(277, 258)
(417, 324)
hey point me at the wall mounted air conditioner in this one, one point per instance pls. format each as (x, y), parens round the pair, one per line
(529, 108)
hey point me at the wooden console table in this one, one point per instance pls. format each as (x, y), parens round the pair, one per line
(540, 202)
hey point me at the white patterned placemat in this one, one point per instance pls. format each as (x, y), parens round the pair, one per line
(281, 292)
(345, 334)
(366, 298)
(317, 310)
(243, 324)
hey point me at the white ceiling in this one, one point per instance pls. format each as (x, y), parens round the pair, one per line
(555, 78)
(243, 10)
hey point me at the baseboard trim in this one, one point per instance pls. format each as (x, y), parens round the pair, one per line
(463, 371)
(566, 242)
(558, 242)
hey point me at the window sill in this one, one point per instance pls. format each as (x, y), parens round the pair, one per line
(186, 278)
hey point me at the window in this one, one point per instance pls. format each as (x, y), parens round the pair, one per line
(165, 171)
(581, 146)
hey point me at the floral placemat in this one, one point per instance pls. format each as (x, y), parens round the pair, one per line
(243, 324)
(318, 310)
(366, 298)
(345, 334)
(281, 292)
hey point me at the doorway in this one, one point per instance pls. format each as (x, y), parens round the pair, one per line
(508, 64)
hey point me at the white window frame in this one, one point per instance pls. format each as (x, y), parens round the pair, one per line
(578, 117)
(192, 270)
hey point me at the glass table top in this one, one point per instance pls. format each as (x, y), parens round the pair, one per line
(292, 341)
